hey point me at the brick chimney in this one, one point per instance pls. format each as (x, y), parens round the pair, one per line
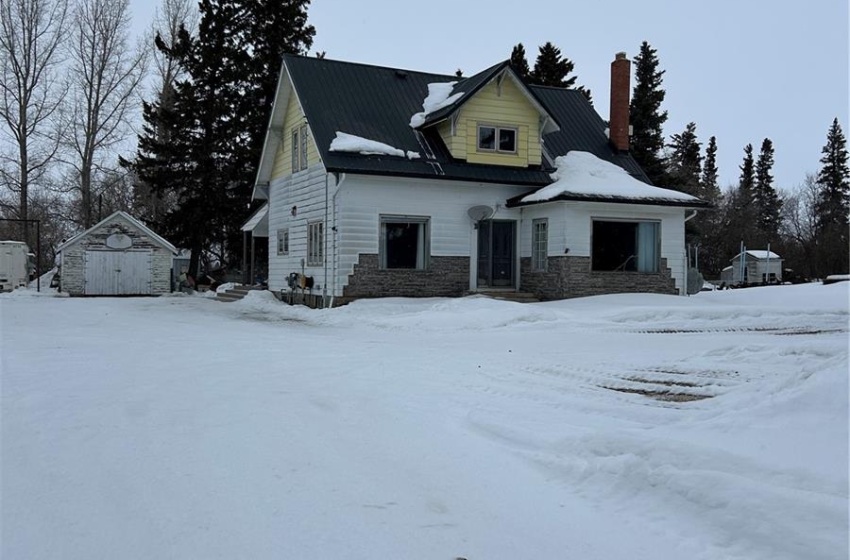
(618, 124)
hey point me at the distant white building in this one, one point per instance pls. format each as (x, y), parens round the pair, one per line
(753, 267)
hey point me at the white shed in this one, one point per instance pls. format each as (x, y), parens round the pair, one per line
(117, 256)
(754, 267)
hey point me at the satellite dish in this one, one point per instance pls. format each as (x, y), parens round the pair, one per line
(478, 213)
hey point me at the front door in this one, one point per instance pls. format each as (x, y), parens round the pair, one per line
(496, 253)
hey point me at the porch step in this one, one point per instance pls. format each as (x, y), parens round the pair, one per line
(235, 293)
(507, 295)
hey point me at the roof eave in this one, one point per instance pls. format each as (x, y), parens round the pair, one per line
(517, 202)
(149, 232)
(274, 134)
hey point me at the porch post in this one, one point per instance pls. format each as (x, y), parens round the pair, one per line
(244, 257)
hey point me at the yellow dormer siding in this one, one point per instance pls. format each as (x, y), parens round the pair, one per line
(495, 105)
(293, 127)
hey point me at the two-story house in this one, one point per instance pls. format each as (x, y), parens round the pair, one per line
(389, 182)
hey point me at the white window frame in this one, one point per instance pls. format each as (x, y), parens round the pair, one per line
(315, 243)
(295, 143)
(299, 148)
(303, 147)
(540, 244)
(283, 241)
(496, 149)
(424, 242)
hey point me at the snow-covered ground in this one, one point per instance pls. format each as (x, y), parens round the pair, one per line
(181, 427)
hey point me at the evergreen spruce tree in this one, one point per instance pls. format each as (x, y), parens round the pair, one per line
(685, 161)
(218, 118)
(519, 62)
(767, 204)
(709, 221)
(553, 69)
(744, 215)
(747, 180)
(646, 116)
(833, 205)
(710, 190)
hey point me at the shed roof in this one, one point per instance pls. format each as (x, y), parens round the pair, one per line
(258, 223)
(761, 255)
(133, 221)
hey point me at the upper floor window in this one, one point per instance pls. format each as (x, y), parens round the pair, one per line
(299, 148)
(497, 139)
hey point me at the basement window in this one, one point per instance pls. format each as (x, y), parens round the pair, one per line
(625, 246)
(404, 242)
(497, 139)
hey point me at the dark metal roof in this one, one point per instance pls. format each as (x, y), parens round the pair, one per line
(377, 103)
(581, 129)
(469, 87)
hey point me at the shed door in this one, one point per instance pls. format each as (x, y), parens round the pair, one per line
(117, 273)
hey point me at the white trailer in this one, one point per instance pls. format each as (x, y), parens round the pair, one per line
(15, 265)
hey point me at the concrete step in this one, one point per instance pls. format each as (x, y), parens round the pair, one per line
(235, 293)
(508, 295)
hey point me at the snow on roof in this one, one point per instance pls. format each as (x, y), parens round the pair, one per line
(439, 96)
(583, 173)
(761, 254)
(350, 143)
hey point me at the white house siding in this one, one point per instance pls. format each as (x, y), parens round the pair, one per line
(305, 190)
(363, 199)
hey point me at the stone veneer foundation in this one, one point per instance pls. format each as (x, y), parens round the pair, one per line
(569, 277)
(445, 277)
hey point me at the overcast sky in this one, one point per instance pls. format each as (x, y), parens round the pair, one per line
(742, 70)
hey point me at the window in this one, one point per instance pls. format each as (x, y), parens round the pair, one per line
(303, 147)
(315, 244)
(295, 160)
(497, 139)
(404, 242)
(539, 244)
(283, 241)
(299, 148)
(625, 246)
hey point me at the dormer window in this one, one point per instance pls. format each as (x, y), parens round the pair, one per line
(497, 139)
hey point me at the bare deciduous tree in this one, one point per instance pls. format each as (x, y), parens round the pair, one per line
(30, 92)
(105, 79)
(800, 222)
(167, 23)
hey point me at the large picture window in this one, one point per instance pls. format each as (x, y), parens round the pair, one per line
(626, 246)
(539, 243)
(315, 244)
(497, 139)
(404, 242)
